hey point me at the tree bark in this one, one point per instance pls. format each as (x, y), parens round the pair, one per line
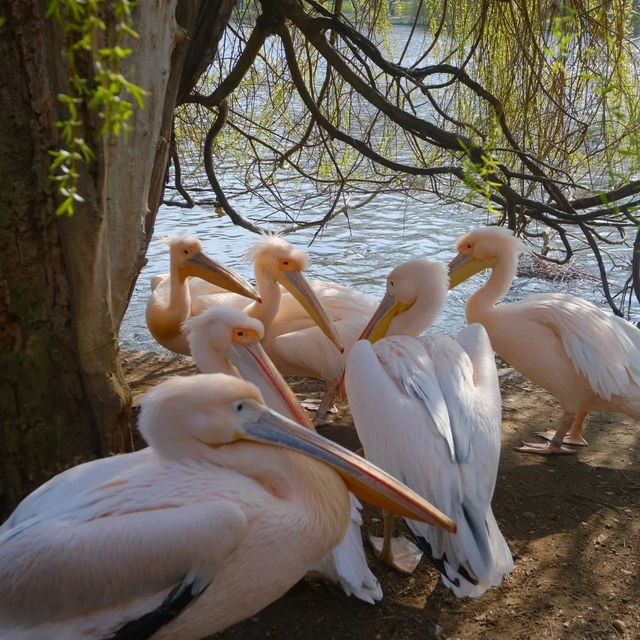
(65, 282)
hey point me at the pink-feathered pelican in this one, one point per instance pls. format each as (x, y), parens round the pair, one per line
(428, 410)
(297, 334)
(198, 531)
(169, 304)
(588, 359)
(227, 340)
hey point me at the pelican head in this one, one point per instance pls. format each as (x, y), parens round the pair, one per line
(187, 257)
(182, 416)
(482, 249)
(223, 327)
(284, 263)
(230, 335)
(417, 284)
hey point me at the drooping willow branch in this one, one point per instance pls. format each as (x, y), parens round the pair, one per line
(259, 34)
(215, 128)
(177, 176)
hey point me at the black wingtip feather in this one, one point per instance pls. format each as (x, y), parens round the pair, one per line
(146, 625)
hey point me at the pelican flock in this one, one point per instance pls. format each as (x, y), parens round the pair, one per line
(301, 319)
(237, 497)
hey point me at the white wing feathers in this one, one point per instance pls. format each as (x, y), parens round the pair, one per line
(603, 347)
(441, 436)
(94, 506)
(410, 367)
(295, 330)
(347, 564)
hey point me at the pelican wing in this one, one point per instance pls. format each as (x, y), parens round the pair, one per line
(125, 529)
(603, 348)
(396, 425)
(348, 309)
(158, 279)
(70, 494)
(428, 411)
(205, 295)
(410, 365)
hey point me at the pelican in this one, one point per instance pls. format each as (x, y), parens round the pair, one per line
(297, 328)
(588, 359)
(198, 531)
(169, 304)
(428, 410)
(227, 340)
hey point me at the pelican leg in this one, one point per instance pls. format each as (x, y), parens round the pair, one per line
(326, 404)
(399, 553)
(554, 446)
(574, 436)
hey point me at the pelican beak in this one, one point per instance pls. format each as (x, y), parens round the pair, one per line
(296, 284)
(362, 478)
(377, 327)
(254, 364)
(202, 267)
(381, 319)
(463, 266)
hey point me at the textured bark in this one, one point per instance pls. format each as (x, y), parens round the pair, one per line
(65, 282)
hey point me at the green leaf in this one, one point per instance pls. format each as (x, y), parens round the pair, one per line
(59, 160)
(66, 206)
(53, 10)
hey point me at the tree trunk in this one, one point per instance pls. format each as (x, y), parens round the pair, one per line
(65, 282)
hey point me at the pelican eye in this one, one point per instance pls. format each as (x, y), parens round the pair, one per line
(239, 406)
(186, 251)
(392, 283)
(468, 246)
(240, 333)
(285, 262)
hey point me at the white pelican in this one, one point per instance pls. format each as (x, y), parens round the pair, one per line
(169, 304)
(190, 535)
(428, 410)
(588, 359)
(297, 328)
(227, 340)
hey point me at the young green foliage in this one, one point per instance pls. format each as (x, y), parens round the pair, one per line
(103, 92)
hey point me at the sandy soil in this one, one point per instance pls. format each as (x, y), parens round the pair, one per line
(572, 522)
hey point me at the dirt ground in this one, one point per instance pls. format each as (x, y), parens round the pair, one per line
(572, 523)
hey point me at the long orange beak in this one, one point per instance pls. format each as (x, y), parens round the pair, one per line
(296, 284)
(203, 267)
(363, 478)
(254, 365)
